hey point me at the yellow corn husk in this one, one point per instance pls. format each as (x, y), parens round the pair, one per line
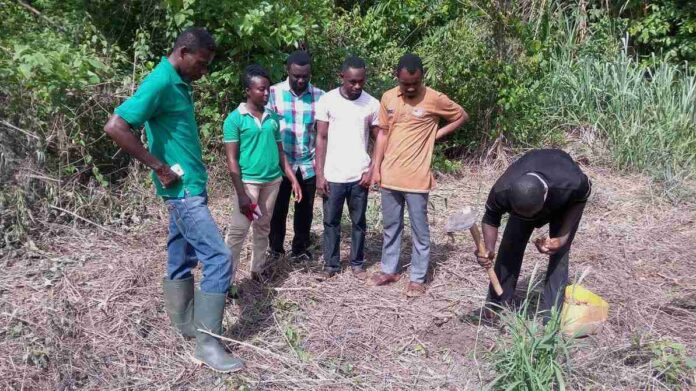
(583, 312)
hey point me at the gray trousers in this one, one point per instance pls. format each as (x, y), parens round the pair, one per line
(393, 220)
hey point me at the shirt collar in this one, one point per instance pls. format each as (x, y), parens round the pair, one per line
(401, 94)
(286, 86)
(244, 111)
(169, 68)
(543, 182)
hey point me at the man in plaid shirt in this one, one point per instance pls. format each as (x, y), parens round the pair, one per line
(295, 102)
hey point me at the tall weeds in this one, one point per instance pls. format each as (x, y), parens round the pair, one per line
(531, 356)
(647, 115)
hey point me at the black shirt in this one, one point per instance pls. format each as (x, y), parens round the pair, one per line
(567, 185)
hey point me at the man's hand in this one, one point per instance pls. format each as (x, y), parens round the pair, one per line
(485, 260)
(165, 175)
(322, 185)
(549, 246)
(297, 190)
(365, 179)
(376, 178)
(244, 203)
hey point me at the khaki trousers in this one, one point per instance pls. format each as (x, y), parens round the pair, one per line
(264, 195)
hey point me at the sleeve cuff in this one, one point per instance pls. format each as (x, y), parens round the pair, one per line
(129, 120)
(491, 218)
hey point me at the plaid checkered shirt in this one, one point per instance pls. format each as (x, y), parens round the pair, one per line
(297, 124)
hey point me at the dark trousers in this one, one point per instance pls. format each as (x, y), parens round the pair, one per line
(302, 221)
(509, 261)
(356, 197)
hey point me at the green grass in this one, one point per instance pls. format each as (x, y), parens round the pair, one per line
(531, 356)
(646, 115)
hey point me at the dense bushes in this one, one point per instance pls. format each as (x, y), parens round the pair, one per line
(526, 71)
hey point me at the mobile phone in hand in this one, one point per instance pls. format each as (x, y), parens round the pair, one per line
(177, 169)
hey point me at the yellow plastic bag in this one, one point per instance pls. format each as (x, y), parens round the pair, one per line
(583, 312)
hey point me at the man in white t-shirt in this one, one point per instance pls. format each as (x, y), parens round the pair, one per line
(345, 118)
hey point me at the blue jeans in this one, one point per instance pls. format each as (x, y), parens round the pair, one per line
(393, 220)
(356, 197)
(194, 237)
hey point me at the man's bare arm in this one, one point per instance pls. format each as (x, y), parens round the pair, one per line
(451, 127)
(120, 131)
(322, 141)
(378, 155)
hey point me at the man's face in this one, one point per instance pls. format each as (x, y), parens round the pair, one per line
(410, 84)
(194, 65)
(353, 82)
(299, 77)
(258, 91)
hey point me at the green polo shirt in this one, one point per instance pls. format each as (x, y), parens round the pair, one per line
(164, 105)
(258, 143)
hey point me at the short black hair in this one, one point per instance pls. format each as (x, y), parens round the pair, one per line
(194, 39)
(411, 62)
(298, 57)
(252, 71)
(354, 62)
(527, 195)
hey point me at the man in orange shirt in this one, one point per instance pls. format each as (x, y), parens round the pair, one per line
(409, 118)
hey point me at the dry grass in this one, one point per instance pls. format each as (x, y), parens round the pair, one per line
(84, 309)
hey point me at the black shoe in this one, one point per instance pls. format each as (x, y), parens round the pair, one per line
(326, 275)
(304, 256)
(484, 316)
(273, 257)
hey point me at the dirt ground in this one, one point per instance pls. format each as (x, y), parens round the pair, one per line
(82, 308)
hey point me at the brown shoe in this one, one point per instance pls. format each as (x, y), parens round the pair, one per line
(379, 279)
(415, 289)
(359, 273)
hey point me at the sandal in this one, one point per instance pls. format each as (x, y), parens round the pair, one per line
(415, 289)
(379, 279)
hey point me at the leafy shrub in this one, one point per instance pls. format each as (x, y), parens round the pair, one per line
(665, 27)
(525, 71)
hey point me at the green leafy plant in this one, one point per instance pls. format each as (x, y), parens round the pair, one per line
(665, 27)
(671, 363)
(294, 340)
(526, 72)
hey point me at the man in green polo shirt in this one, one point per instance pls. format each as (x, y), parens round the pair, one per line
(164, 105)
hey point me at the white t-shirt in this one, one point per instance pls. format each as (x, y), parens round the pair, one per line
(349, 131)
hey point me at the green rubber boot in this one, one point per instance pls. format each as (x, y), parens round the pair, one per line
(208, 313)
(178, 301)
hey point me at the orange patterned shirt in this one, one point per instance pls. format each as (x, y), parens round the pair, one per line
(411, 125)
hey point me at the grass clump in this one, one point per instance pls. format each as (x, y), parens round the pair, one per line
(533, 356)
